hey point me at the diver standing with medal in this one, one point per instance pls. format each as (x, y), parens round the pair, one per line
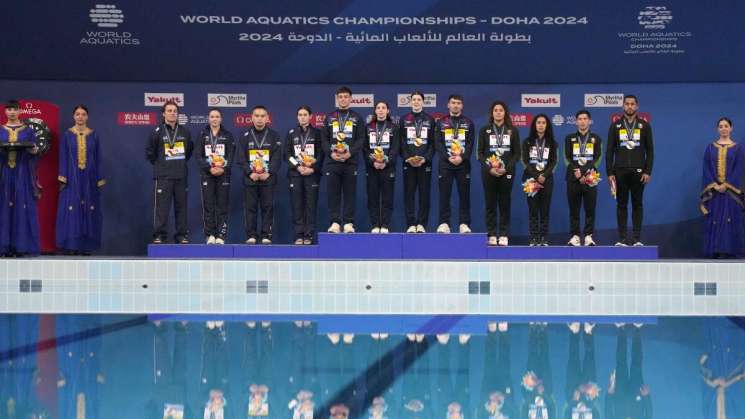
(629, 164)
(455, 140)
(168, 149)
(539, 152)
(498, 152)
(344, 135)
(416, 130)
(215, 151)
(582, 151)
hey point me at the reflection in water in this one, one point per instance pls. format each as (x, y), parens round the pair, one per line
(117, 366)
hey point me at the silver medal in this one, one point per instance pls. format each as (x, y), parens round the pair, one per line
(582, 161)
(540, 166)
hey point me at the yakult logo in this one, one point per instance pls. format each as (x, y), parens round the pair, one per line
(541, 100)
(366, 100)
(159, 99)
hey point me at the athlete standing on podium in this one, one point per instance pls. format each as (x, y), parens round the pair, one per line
(454, 140)
(344, 134)
(417, 133)
(498, 152)
(582, 151)
(629, 164)
(381, 151)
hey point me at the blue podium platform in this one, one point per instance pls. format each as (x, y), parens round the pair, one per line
(400, 246)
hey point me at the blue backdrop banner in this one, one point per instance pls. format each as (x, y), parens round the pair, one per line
(427, 41)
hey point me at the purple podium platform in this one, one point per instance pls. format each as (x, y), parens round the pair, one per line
(400, 246)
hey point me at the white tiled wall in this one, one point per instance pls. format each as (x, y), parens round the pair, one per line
(369, 287)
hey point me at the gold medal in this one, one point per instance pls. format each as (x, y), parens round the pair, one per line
(417, 141)
(340, 136)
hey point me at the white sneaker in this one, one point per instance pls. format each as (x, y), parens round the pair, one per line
(638, 244)
(348, 228)
(464, 229)
(574, 241)
(589, 241)
(251, 241)
(492, 241)
(384, 230)
(375, 230)
(219, 240)
(420, 229)
(504, 241)
(335, 228)
(211, 240)
(298, 242)
(266, 241)
(443, 228)
(621, 244)
(411, 229)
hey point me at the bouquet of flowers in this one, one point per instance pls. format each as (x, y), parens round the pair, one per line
(590, 390)
(216, 160)
(592, 178)
(494, 161)
(257, 165)
(307, 160)
(414, 405)
(530, 381)
(456, 148)
(339, 410)
(531, 187)
(379, 155)
(340, 147)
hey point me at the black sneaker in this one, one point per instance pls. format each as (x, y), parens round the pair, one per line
(533, 243)
(544, 242)
(158, 240)
(183, 240)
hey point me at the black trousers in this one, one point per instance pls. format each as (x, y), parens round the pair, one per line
(539, 207)
(462, 179)
(215, 205)
(417, 179)
(304, 197)
(579, 195)
(628, 181)
(261, 196)
(341, 180)
(497, 194)
(167, 192)
(380, 185)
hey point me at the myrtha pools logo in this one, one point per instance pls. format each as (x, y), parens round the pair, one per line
(106, 16)
(655, 17)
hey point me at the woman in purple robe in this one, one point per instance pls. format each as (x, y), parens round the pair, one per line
(81, 178)
(722, 196)
(19, 227)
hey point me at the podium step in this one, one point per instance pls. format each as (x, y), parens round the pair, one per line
(400, 246)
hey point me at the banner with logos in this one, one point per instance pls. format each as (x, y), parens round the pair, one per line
(430, 41)
(123, 116)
